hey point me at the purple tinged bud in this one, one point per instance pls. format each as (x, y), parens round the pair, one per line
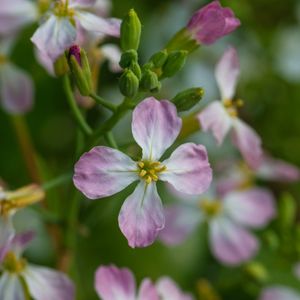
(75, 51)
(211, 23)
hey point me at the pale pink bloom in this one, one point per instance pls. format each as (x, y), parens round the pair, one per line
(279, 293)
(63, 23)
(16, 85)
(220, 117)
(212, 22)
(112, 283)
(104, 171)
(229, 219)
(43, 283)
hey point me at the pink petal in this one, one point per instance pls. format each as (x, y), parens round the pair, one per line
(20, 242)
(6, 236)
(227, 73)
(11, 287)
(45, 61)
(155, 126)
(279, 293)
(47, 284)
(112, 283)
(230, 242)
(54, 36)
(248, 142)
(168, 289)
(147, 291)
(181, 220)
(16, 89)
(254, 207)
(216, 119)
(188, 169)
(104, 171)
(141, 216)
(113, 54)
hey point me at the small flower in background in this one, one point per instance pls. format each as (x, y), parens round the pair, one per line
(104, 171)
(220, 117)
(112, 283)
(229, 218)
(42, 283)
(279, 293)
(211, 23)
(16, 85)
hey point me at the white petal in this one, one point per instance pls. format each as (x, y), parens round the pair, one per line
(11, 287)
(113, 54)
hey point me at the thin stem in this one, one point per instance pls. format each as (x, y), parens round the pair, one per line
(86, 129)
(57, 181)
(111, 140)
(27, 148)
(103, 102)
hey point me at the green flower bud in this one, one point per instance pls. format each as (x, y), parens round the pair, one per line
(80, 70)
(187, 99)
(128, 58)
(149, 80)
(130, 31)
(174, 63)
(129, 84)
(158, 59)
(136, 69)
(287, 211)
(256, 271)
(61, 66)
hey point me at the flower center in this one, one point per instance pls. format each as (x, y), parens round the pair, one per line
(13, 264)
(43, 6)
(62, 9)
(232, 106)
(210, 208)
(150, 170)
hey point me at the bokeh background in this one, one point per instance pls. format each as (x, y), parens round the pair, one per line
(268, 43)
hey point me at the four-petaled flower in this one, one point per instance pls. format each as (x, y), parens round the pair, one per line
(220, 117)
(104, 171)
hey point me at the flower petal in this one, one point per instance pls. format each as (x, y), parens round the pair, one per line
(168, 289)
(254, 207)
(248, 142)
(230, 242)
(279, 293)
(112, 283)
(227, 73)
(215, 118)
(188, 169)
(181, 220)
(141, 216)
(104, 171)
(147, 291)
(113, 54)
(47, 284)
(6, 235)
(155, 126)
(54, 36)
(16, 89)
(45, 61)
(11, 287)
(96, 24)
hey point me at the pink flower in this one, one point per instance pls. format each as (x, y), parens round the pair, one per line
(229, 219)
(220, 117)
(112, 283)
(212, 22)
(104, 171)
(63, 23)
(279, 293)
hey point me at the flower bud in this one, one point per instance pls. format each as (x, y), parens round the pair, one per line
(61, 66)
(187, 99)
(158, 59)
(129, 84)
(287, 211)
(256, 271)
(128, 57)
(80, 69)
(174, 63)
(130, 31)
(136, 69)
(149, 80)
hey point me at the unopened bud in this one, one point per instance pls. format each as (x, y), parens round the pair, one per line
(149, 80)
(187, 99)
(136, 69)
(174, 63)
(130, 31)
(256, 271)
(158, 59)
(128, 57)
(80, 69)
(129, 84)
(61, 66)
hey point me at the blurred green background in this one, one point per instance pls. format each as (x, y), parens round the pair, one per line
(268, 43)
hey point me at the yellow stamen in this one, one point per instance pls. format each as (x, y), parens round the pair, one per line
(210, 208)
(232, 106)
(13, 264)
(149, 170)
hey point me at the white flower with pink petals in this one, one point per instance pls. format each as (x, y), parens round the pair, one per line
(104, 171)
(222, 116)
(279, 293)
(229, 218)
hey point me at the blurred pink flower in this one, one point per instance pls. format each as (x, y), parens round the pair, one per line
(279, 293)
(220, 117)
(212, 22)
(104, 171)
(229, 219)
(112, 283)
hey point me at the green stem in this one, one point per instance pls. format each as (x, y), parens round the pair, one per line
(86, 129)
(103, 102)
(57, 181)
(111, 140)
